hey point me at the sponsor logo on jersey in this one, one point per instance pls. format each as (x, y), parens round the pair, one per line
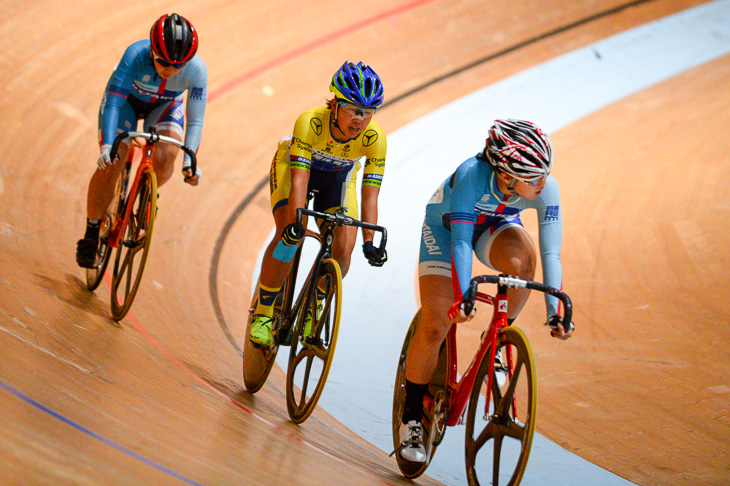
(196, 94)
(376, 162)
(430, 241)
(302, 145)
(369, 137)
(552, 213)
(151, 90)
(316, 125)
(320, 159)
(272, 176)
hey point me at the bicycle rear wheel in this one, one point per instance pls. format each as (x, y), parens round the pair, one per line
(434, 415)
(257, 362)
(131, 254)
(103, 252)
(508, 427)
(309, 362)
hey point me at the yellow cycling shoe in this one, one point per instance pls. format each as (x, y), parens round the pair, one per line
(261, 331)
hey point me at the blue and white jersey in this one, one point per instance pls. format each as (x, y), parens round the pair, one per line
(136, 81)
(470, 199)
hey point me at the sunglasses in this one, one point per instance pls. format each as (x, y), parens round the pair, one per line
(166, 64)
(535, 182)
(354, 110)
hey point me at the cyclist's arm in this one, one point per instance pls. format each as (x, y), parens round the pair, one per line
(117, 91)
(550, 227)
(298, 192)
(467, 190)
(369, 209)
(195, 105)
(300, 163)
(372, 178)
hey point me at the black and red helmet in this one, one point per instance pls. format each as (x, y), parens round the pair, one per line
(174, 39)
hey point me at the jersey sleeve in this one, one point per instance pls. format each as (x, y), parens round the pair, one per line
(550, 228)
(195, 107)
(300, 152)
(117, 91)
(469, 183)
(375, 145)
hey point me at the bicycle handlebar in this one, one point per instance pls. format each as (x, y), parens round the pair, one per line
(339, 219)
(515, 282)
(153, 137)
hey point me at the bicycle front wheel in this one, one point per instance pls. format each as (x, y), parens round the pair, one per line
(313, 349)
(95, 275)
(498, 440)
(131, 254)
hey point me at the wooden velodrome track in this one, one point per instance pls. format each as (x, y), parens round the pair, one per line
(641, 390)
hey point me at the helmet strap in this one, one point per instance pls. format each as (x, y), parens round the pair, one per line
(494, 189)
(511, 187)
(333, 122)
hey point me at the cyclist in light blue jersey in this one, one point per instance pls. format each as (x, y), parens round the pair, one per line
(477, 211)
(148, 84)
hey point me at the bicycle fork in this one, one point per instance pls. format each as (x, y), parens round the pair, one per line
(500, 321)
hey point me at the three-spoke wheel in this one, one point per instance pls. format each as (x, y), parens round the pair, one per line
(313, 346)
(131, 254)
(500, 438)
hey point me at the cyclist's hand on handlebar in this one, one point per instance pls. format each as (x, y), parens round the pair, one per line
(458, 315)
(104, 159)
(557, 329)
(191, 179)
(376, 257)
(292, 234)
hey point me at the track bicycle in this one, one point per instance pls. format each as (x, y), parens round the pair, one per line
(311, 353)
(128, 223)
(500, 417)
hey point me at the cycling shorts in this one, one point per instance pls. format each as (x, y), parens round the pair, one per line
(333, 189)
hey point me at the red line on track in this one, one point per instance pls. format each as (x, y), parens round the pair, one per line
(287, 56)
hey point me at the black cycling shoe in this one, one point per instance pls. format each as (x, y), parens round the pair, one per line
(86, 252)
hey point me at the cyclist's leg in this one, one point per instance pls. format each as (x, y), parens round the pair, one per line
(508, 248)
(100, 192)
(103, 182)
(168, 119)
(277, 259)
(436, 298)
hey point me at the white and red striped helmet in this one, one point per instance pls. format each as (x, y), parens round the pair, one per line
(520, 148)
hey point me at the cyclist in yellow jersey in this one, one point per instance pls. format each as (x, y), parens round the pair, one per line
(324, 153)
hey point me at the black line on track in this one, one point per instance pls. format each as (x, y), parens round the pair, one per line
(223, 235)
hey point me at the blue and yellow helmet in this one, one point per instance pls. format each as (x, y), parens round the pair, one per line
(358, 84)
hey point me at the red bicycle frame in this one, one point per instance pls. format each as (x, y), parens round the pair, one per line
(459, 390)
(134, 157)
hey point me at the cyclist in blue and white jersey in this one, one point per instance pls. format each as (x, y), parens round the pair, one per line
(148, 84)
(477, 211)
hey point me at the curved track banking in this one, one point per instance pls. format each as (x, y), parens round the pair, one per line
(158, 398)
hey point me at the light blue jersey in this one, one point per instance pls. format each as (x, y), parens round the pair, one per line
(135, 90)
(467, 208)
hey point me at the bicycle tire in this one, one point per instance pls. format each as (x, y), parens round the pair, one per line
(136, 239)
(95, 275)
(257, 362)
(518, 396)
(411, 469)
(317, 355)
